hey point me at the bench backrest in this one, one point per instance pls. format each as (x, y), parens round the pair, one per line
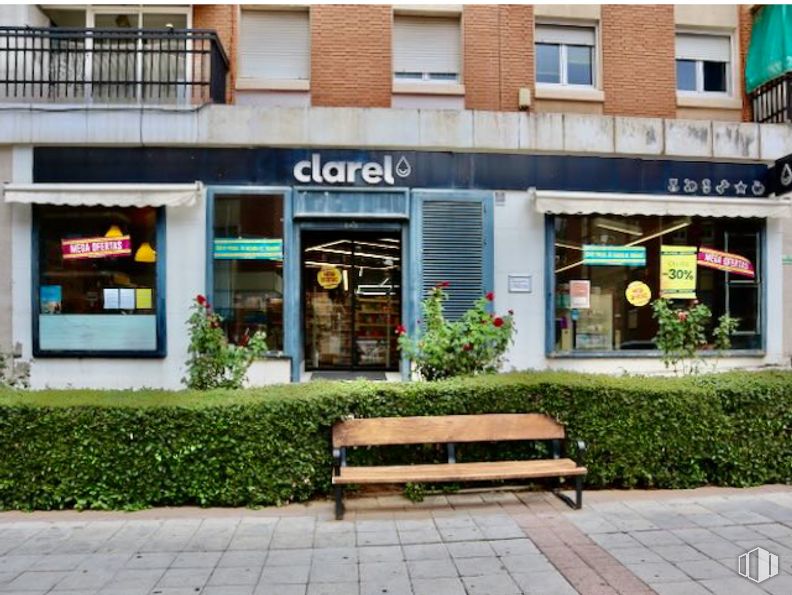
(448, 428)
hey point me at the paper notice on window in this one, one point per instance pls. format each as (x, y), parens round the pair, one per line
(110, 298)
(580, 294)
(143, 298)
(126, 299)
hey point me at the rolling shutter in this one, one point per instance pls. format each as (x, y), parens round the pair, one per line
(426, 44)
(559, 34)
(454, 249)
(274, 45)
(711, 48)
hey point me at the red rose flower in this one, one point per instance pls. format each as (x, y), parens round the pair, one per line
(490, 296)
(400, 330)
(201, 300)
(467, 347)
(682, 316)
(443, 284)
(498, 321)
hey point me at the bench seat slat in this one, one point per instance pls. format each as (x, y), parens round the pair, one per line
(447, 428)
(459, 472)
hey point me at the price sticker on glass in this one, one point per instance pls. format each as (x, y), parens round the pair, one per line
(678, 272)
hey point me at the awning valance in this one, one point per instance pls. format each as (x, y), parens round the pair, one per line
(108, 195)
(585, 203)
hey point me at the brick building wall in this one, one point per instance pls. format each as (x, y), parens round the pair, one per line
(638, 50)
(351, 55)
(223, 18)
(745, 27)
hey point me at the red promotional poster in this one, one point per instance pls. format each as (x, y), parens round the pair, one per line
(723, 261)
(96, 247)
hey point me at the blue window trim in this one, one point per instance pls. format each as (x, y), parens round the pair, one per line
(160, 352)
(289, 310)
(633, 354)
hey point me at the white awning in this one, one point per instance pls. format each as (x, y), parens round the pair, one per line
(107, 195)
(612, 203)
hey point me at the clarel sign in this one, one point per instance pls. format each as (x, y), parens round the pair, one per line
(349, 172)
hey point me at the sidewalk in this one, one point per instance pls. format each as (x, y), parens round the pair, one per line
(484, 543)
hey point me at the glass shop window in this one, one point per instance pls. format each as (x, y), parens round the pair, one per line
(97, 281)
(248, 266)
(608, 270)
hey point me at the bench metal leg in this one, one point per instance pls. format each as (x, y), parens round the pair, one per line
(577, 503)
(339, 502)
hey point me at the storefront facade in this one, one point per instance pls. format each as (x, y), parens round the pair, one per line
(328, 250)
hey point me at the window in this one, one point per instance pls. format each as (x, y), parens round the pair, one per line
(426, 49)
(592, 312)
(248, 266)
(97, 286)
(565, 55)
(703, 63)
(275, 45)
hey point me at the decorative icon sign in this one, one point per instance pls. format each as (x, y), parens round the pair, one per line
(786, 175)
(757, 188)
(722, 187)
(740, 187)
(706, 185)
(673, 185)
(403, 167)
(690, 186)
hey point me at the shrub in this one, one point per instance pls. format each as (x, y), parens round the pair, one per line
(115, 449)
(474, 344)
(214, 362)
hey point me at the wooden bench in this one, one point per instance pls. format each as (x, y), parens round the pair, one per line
(449, 430)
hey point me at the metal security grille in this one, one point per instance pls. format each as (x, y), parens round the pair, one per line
(453, 250)
(772, 102)
(74, 65)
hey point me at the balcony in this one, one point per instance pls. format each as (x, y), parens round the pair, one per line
(111, 66)
(772, 101)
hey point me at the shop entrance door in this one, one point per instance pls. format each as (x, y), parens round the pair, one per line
(351, 299)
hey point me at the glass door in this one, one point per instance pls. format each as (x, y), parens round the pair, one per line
(352, 299)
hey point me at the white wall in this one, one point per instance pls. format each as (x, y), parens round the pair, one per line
(19, 15)
(520, 248)
(185, 278)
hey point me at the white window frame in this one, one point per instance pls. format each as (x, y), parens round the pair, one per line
(563, 57)
(731, 74)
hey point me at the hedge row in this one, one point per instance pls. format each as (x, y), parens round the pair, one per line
(63, 449)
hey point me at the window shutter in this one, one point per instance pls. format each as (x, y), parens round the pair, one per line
(426, 44)
(713, 48)
(453, 245)
(274, 45)
(559, 34)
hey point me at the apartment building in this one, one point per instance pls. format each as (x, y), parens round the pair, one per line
(314, 170)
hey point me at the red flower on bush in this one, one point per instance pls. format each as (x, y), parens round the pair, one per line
(682, 316)
(467, 347)
(400, 330)
(497, 321)
(201, 300)
(443, 285)
(490, 296)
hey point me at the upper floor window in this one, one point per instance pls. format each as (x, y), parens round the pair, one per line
(703, 63)
(565, 55)
(426, 49)
(275, 45)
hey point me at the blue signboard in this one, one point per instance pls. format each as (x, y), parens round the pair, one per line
(623, 256)
(247, 249)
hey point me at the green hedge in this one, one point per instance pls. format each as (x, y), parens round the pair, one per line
(114, 449)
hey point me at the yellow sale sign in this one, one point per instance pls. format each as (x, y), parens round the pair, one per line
(678, 272)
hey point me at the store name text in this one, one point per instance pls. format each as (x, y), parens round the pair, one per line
(346, 172)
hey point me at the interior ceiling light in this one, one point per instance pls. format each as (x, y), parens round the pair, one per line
(114, 232)
(146, 253)
(676, 227)
(618, 226)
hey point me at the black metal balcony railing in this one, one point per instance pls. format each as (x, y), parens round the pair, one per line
(115, 66)
(772, 102)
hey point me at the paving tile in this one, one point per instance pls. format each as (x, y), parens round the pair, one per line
(615, 540)
(431, 569)
(655, 572)
(383, 553)
(242, 558)
(680, 588)
(433, 551)
(327, 572)
(438, 586)
(350, 588)
(461, 533)
(184, 577)
(636, 555)
(58, 562)
(704, 569)
(294, 574)
(392, 586)
(498, 584)
(543, 583)
(83, 580)
(338, 555)
(378, 538)
(678, 553)
(33, 581)
(196, 560)
(150, 560)
(228, 590)
(134, 578)
(373, 572)
(413, 537)
(736, 585)
(241, 575)
(289, 557)
(469, 549)
(524, 563)
(265, 588)
(479, 566)
(653, 538)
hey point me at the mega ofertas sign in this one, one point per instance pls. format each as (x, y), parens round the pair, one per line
(314, 171)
